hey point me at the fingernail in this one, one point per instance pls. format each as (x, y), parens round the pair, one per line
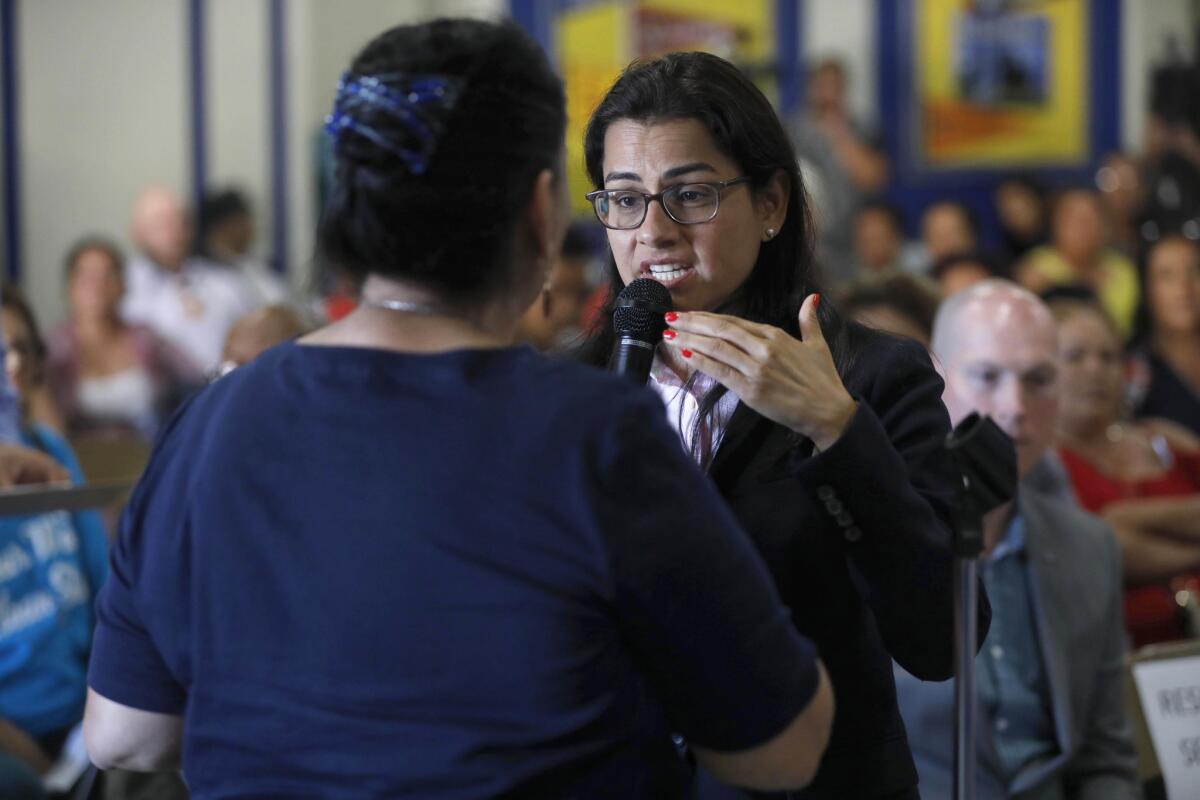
(669, 334)
(816, 301)
(685, 353)
(671, 316)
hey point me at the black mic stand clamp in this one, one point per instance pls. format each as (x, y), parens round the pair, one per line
(988, 461)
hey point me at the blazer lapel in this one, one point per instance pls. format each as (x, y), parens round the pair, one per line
(743, 435)
(1052, 608)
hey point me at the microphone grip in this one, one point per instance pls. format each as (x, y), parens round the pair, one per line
(632, 358)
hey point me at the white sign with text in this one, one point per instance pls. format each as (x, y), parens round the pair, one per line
(1170, 695)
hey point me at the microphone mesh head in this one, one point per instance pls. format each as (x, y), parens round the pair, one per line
(640, 309)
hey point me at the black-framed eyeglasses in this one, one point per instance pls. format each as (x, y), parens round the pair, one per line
(686, 203)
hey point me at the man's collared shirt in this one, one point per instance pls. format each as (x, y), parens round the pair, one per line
(1013, 689)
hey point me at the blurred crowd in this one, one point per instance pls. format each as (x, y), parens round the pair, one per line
(1117, 260)
(141, 331)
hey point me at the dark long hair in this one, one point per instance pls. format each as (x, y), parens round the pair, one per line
(744, 127)
(14, 300)
(1142, 336)
(446, 220)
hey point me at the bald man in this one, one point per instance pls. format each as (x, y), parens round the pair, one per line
(188, 301)
(1050, 716)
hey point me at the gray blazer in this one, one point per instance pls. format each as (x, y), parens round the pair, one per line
(1075, 570)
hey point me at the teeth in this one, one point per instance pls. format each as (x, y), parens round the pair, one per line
(667, 272)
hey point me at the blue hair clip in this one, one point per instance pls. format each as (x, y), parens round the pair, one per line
(420, 103)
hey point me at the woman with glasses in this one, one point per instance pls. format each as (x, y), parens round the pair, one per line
(824, 437)
(400, 557)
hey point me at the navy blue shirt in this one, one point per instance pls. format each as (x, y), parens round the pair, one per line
(363, 573)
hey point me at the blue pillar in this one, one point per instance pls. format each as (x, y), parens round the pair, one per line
(537, 18)
(789, 16)
(277, 91)
(11, 143)
(197, 89)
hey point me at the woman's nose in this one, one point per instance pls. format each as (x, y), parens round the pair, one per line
(658, 228)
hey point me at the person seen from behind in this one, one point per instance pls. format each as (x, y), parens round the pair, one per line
(468, 556)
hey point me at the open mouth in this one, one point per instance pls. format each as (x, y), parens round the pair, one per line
(670, 274)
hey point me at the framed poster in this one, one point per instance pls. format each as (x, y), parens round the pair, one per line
(971, 90)
(1002, 82)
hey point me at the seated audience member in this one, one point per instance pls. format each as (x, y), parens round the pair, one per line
(1122, 192)
(226, 234)
(879, 242)
(959, 271)
(51, 566)
(841, 161)
(878, 238)
(554, 321)
(258, 331)
(1021, 209)
(948, 228)
(901, 304)
(1078, 253)
(1143, 479)
(1052, 721)
(189, 301)
(36, 402)
(107, 376)
(1166, 347)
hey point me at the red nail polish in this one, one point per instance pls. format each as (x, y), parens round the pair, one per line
(685, 353)
(671, 316)
(669, 334)
(816, 301)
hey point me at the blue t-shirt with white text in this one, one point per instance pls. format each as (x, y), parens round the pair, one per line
(51, 566)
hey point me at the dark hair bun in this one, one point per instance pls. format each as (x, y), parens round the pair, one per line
(445, 218)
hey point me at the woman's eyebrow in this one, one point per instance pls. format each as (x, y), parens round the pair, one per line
(673, 172)
(695, 166)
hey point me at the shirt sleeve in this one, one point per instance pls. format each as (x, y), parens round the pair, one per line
(694, 599)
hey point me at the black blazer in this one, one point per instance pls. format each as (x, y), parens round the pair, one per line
(858, 540)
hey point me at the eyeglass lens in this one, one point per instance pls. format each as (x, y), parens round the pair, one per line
(687, 203)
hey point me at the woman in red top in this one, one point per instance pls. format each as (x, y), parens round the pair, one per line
(1142, 477)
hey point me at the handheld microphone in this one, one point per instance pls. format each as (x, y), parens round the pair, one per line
(639, 324)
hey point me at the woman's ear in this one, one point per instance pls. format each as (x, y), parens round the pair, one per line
(772, 201)
(546, 217)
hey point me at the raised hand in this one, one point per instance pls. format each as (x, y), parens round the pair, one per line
(791, 381)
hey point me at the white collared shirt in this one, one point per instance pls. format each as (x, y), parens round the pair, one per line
(192, 309)
(682, 405)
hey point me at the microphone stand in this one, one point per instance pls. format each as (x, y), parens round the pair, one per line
(988, 462)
